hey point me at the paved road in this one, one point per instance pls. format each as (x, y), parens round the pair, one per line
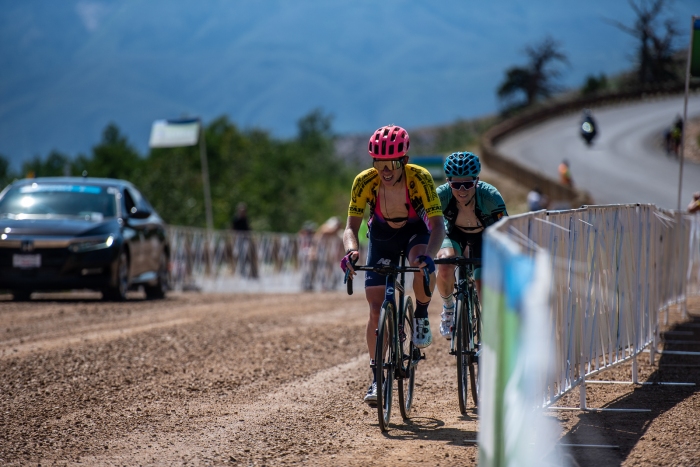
(625, 163)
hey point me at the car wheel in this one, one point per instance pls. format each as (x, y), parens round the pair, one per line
(156, 292)
(21, 295)
(118, 293)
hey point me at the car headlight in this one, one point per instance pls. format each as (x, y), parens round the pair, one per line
(92, 245)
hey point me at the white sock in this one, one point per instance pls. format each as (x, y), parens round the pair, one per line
(448, 301)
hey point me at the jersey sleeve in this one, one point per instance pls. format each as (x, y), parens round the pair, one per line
(361, 192)
(445, 194)
(425, 186)
(492, 202)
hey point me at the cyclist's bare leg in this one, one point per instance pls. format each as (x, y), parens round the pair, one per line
(375, 298)
(446, 273)
(415, 252)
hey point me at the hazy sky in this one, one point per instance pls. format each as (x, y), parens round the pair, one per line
(69, 68)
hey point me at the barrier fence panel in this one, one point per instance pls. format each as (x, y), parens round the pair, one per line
(615, 270)
(230, 261)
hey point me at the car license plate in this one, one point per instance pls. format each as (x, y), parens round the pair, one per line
(26, 261)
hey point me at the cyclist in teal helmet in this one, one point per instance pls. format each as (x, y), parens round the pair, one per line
(468, 206)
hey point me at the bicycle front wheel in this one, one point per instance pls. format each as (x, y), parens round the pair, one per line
(475, 317)
(462, 352)
(384, 364)
(407, 370)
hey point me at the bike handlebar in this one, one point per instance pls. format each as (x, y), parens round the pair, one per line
(458, 260)
(386, 270)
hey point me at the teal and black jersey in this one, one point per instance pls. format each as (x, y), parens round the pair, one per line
(489, 207)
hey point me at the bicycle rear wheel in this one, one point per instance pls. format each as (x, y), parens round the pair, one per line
(461, 350)
(384, 364)
(408, 371)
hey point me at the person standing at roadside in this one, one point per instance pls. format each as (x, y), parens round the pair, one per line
(694, 205)
(536, 200)
(246, 247)
(240, 219)
(565, 174)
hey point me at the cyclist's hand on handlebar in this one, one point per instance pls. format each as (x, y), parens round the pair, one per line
(426, 261)
(348, 261)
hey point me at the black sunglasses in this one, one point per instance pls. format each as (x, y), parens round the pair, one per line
(466, 184)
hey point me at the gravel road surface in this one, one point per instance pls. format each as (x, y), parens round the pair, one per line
(199, 379)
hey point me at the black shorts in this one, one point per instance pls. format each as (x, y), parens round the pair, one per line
(459, 241)
(387, 244)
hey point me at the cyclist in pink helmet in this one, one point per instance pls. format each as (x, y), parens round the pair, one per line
(404, 216)
(389, 142)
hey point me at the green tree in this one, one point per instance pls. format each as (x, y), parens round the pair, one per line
(6, 175)
(283, 182)
(595, 84)
(56, 164)
(535, 80)
(113, 157)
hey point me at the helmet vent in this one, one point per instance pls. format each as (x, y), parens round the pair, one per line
(383, 148)
(400, 147)
(391, 149)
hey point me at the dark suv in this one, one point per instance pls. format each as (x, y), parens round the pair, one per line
(65, 233)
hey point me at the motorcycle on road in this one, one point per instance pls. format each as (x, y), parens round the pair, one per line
(588, 128)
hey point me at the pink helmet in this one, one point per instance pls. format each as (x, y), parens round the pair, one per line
(389, 142)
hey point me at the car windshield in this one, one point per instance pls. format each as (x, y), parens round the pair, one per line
(59, 200)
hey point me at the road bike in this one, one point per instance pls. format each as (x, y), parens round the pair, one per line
(395, 355)
(466, 332)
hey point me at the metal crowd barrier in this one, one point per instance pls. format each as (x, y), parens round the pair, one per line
(252, 261)
(616, 270)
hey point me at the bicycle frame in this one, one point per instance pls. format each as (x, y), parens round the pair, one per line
(465, 282)
(393, 282)
(391, 356)
(466, 331)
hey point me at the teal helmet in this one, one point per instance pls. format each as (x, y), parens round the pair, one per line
(462, 164)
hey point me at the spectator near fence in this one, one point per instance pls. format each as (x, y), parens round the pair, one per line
(327, 246)
(565, 174)
(305, 244)
(319, 250)
(245, 246)
(694, 205)
(536, 200)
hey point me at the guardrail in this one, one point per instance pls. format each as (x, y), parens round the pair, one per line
(613, 272)
(252, 261)
(615, 268)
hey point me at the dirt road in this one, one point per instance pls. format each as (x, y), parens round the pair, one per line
(276, 380)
